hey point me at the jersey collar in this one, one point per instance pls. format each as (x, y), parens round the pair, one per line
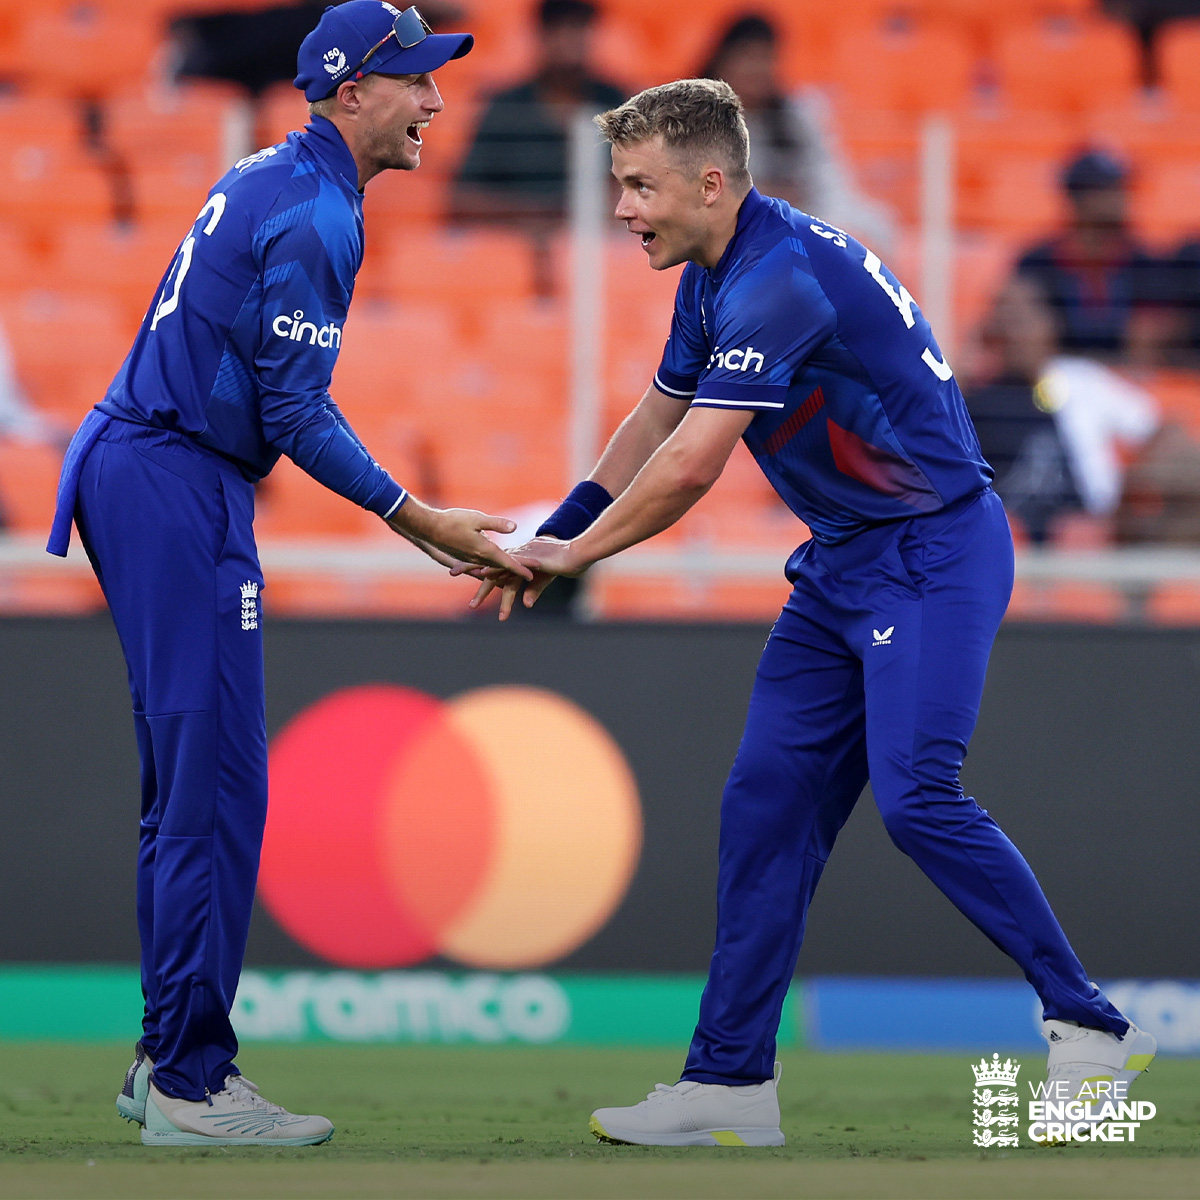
(752, 207)
(324, 139)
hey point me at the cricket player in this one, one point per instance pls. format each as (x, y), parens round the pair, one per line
(795, 338)
(230, 369)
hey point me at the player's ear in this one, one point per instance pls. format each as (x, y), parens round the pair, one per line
(349, 95)
(712, 183)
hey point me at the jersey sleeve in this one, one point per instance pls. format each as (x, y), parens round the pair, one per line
(767, 322)
(686, 350)
(309, 256)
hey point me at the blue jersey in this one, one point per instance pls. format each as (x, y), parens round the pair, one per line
(859, 420)
(238, 347)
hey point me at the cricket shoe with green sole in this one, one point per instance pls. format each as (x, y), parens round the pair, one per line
(235, 1116)
(696, 1114)
(131, 1102)
(1083, 1058)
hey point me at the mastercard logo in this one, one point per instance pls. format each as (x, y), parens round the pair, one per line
(500, 828)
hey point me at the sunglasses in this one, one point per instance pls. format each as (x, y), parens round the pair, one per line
(409, 29)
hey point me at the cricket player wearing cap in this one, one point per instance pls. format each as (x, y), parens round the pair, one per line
(792, 336)
(230, 369)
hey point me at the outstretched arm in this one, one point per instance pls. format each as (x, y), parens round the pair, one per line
(677, 474)
(646, 428)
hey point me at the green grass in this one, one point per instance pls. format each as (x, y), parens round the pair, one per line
(439, 1121)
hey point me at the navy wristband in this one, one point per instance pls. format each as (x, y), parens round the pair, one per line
(587, 500)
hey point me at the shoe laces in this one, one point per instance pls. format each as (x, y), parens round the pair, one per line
(244, 1091)
(664, 1091)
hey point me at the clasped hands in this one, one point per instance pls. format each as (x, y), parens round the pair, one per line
(545, 557)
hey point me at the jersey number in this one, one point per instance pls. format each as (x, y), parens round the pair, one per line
(167, 304)
(905, 304)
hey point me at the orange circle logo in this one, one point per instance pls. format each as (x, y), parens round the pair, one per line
(500, 828)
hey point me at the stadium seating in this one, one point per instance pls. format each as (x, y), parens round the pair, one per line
(1179, 64)
(1063, 63)
(455, 366)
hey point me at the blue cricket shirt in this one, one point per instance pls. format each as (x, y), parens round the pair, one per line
(859, 420)
(238, 347)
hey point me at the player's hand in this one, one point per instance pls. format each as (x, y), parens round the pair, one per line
(547, 557)
(457, 535)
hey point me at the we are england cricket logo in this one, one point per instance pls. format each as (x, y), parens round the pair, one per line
(1101, 1112)
(996, 1102)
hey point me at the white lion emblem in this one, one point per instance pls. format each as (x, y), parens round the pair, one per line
(335, 60)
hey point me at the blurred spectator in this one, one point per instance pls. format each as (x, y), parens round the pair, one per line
(1147, 18)
(1182, 275)
(1052, 425)
(792, 148)
(516, 167)
(1105, 288)
(258, 48)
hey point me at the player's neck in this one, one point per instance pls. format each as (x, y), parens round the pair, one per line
(716, 241)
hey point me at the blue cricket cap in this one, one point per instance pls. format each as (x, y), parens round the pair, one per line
(1094, 169)
(361, 36)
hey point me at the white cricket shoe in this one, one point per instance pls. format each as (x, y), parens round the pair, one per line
(696, 1114)
(1089, 1056)
(131, 1100)
(235, 1116)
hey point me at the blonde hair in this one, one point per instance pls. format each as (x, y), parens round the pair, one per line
(697, 117)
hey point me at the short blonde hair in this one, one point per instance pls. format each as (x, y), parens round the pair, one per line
(697, 117)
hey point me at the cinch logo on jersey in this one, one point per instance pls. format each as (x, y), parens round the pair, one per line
(736, 360)
(295, 327)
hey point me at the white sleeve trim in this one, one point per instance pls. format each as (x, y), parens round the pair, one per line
(399, 501)
(718, 403)
(662, 387)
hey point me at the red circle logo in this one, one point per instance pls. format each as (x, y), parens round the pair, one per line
(500, 828)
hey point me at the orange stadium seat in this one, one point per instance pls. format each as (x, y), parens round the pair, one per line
(114, 264)
(1174, 604)
(23, 261)
(47, 170)
(184, 128)
(86, 47)
(1066, 64)
(1179, 63)
(467, 267)
(1178, 396)
(911, 66)
(1047, 600)
(172, 192)
(1166, 198)
(281, 109)
(28, 484)
(66, 348)
(292, 504)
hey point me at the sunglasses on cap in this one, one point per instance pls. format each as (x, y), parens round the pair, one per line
(409, 29)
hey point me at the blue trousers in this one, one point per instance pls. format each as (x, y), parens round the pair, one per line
(168, 528)
(874, 670)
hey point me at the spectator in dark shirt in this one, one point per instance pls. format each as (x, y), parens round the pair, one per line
(794, 151)
(1016, 427)
(516, 168)
(1102, 284)
(1054, 426)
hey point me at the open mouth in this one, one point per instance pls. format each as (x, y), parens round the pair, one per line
(647, 238)
(413, 132)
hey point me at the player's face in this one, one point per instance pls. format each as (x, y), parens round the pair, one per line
(661, 203)
(396, 108)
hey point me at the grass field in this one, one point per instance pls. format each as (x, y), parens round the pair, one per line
(447, 1122)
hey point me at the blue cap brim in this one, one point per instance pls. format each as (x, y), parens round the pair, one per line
(435, 51)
